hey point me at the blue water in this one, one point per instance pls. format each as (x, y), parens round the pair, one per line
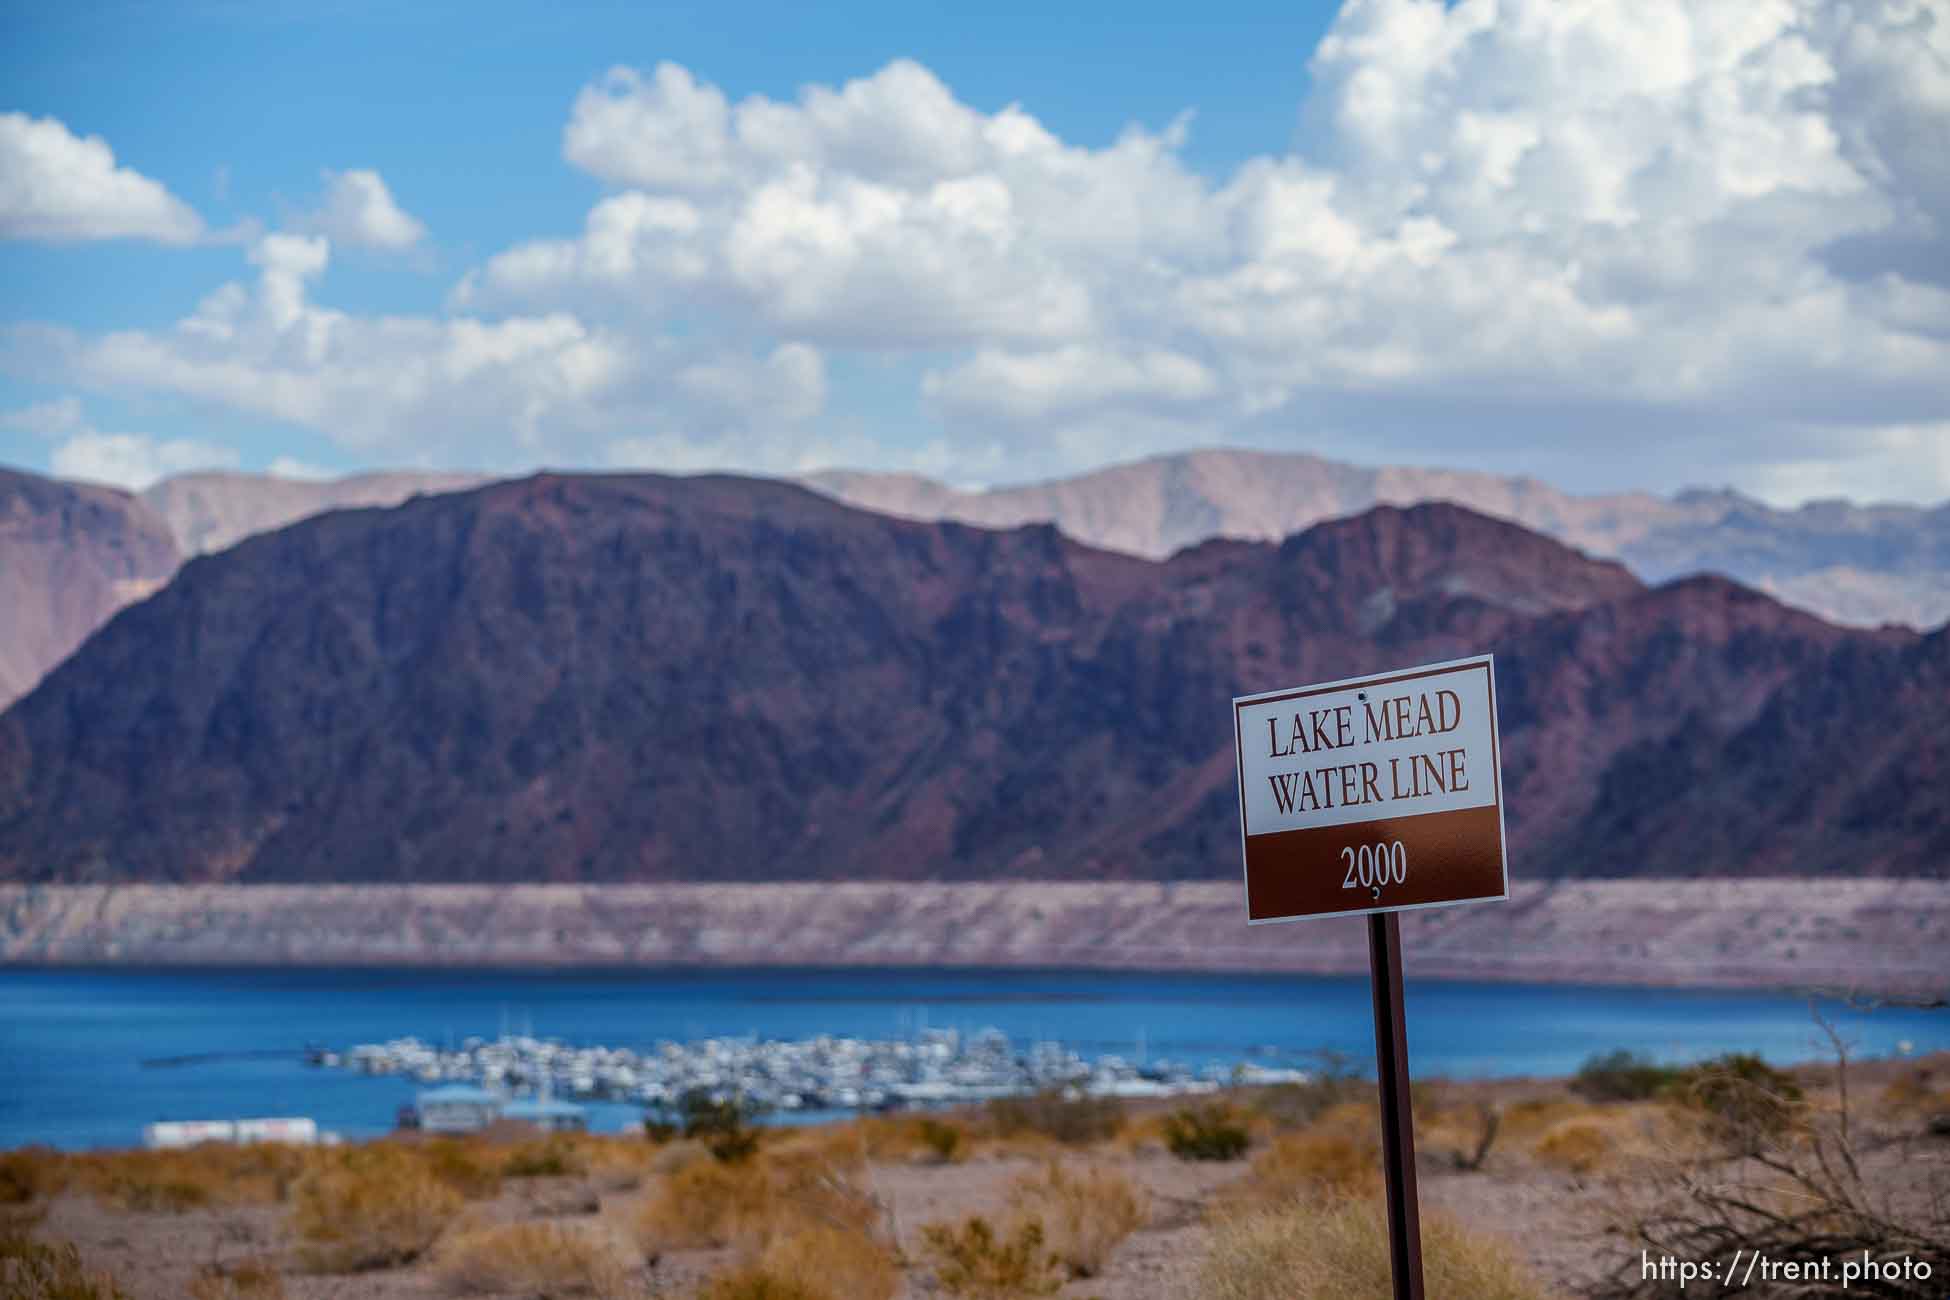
(80, 1050)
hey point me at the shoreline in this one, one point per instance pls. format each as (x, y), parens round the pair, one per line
(1870, 937)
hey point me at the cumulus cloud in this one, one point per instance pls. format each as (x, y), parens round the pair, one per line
(293, 468)
(126, 460)
(503, 394)
(1648, 214)
(134, 460)
(59, 187)
(359, 210)
(1618, 241)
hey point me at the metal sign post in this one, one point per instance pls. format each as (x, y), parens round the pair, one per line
(1368, 797)
(1397, 1117)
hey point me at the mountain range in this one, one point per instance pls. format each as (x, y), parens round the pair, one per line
(1854, 564)
(1858, 565)
(639, 678)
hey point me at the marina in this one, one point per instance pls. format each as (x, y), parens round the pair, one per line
(935, 1067)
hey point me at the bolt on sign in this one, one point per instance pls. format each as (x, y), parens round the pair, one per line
(1374, 794)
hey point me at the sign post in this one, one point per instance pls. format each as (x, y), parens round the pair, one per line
(1373, 796)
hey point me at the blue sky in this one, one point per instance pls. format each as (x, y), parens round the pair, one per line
(1616, 245)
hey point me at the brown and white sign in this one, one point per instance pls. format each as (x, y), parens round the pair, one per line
(1375, 794)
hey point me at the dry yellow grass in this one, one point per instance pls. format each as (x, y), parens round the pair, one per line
(35, 1270)
(845, 1263)
(253, 1279)
(173, 1182)
(370, 1207)
(971, 1259)
(701, 1205)
(709, 1204)
(1311, 1164)
(1351, 1117)
(1531, 1118)
(750, 1282)
(535, 1258)
(1338, 1250)
(31, 1173)
(1575, 1146)
(618, 1164)
(466, 1166)
(1085, 1214)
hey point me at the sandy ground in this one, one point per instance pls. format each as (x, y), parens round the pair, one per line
(1553, 1219)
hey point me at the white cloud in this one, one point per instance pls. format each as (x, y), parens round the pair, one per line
(1543, 210)
(293, 468)
(134, 460)
(126, 460)
(1624, 241)
(1905, 462)
(60, 187)
(46, 419)
(506, 394)
(359, 210)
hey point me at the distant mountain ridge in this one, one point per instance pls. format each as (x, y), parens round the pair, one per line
(1859, 565)
(637, 678)
(212, 511)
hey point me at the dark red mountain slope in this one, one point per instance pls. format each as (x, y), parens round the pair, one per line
(640, 678)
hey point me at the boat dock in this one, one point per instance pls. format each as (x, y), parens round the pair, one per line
(937, 1067)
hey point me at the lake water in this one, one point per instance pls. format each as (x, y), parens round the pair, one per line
(87, 1057)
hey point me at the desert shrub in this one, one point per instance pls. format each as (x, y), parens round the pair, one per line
(969, 1259)
(726, 1126)
(1073, 1121)
(1210, 1132)
(251, 1279)
(551, 1158)
(1532, 1117)
(1085, 1215)
(813, 1190)
(1311, 1165)
(616, 1163)
(464, 1166)
(942, 1141)
(1789, 1187)
(714, 1204)
(33, 1270)
(1338, 1250)
(370, 1207)
(1576, 1147)
(160, 1182)
(1466, 1132)
(1361, 1119)
(1743, 1100)
(534, 1258)
(176, 1181)
(20, 1220)
(1622, 1076)
(701, 1205)
(30, 1173)
(844, 1263)
(751, 1282)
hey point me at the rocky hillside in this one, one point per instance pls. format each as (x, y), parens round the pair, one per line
(643, 679)
(1861, 565)
(71, 554)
